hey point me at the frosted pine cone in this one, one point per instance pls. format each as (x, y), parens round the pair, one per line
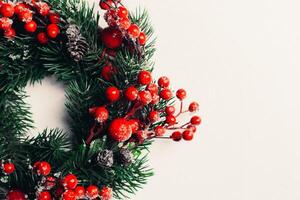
(105, 158)
(126, 157)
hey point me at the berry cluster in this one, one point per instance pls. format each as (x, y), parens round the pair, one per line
(144, 94)
(31, 18)
(66, 188)
(120, 26)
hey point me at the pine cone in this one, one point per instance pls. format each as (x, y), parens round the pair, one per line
(76, 45)
(126, 157)
(105, 158)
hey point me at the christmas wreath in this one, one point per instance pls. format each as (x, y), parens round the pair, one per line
(115, 107)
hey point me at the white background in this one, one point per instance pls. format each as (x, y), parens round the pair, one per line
(241, 60)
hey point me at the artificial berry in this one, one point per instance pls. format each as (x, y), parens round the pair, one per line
(122, 12)
(42, 38)
(120, 130)
(92, 192)
(124, 23)
(50, 182)
(192, 128)
(155, 99)
(153, 88)
(131, 93)
(196, 120)
(10, 33)
(187, 135)
(181, 94)
(79, 192)
(15, 195)
(69, 195)
(43, 168)
(112, 94)
(133, 31)
(166, 94)
(145, 97)
(7, 10)
(9, 168)
(112, 38)
(107, 72)
(171, 119)
(141, 136)
(106, 193)
(53, 30)
(160, 131)
(70, 181)
(106, 4)
(145, 77)
(54, 18)
(5, 23)
(170, 110)
(194, 106)
(142, 38)
(134, 124)
(43, 8)
(176, 136)
(154, 116)
(25, 15)
(19, 8)
(164, 82)
(30, 26)
(101, 114)
(44, 195)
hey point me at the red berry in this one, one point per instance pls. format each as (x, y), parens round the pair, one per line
(170, 110)
(155, 99)
(92, 192)
(171, 119)
(120, 130)
(112, 94)
(142, 38)
(9, 168)
(154, 116)
(145, 77)
(196, 120)
(134, 124)
(7, 10)
(30, 26)
(70, 181)
(43, 168)
(188, 135)
(54, 18)
(79, 192)
(42, 38)
(192, 128)
(181, 94)
(69, 195)
(176, 136)
(25, 15)
(153, 88)
(112, 38)
(43, 8)
(19, 8)
(106, 193)
(145, 97)
(133, 31)
(5, 23)
(122, 12)
(101, 114)
(50, 182)
(45, 195)
(106, 4)
(107, 72)
(53, 30)
(194, 106)
(141, 136)
(15, 195)
(124, 23)
(131, 93)
(10, 33)
(164, 82)
(160, 131)
(166, 94)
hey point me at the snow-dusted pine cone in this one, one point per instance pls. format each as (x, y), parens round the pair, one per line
(76, 45)
(105, 158)
(126, 157)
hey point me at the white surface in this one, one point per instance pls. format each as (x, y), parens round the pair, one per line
(240, 59)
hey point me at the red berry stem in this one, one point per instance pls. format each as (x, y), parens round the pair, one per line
(135, 108)
(102, 55)
(94, 131)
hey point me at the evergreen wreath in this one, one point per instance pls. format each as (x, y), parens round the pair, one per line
(115, 107)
